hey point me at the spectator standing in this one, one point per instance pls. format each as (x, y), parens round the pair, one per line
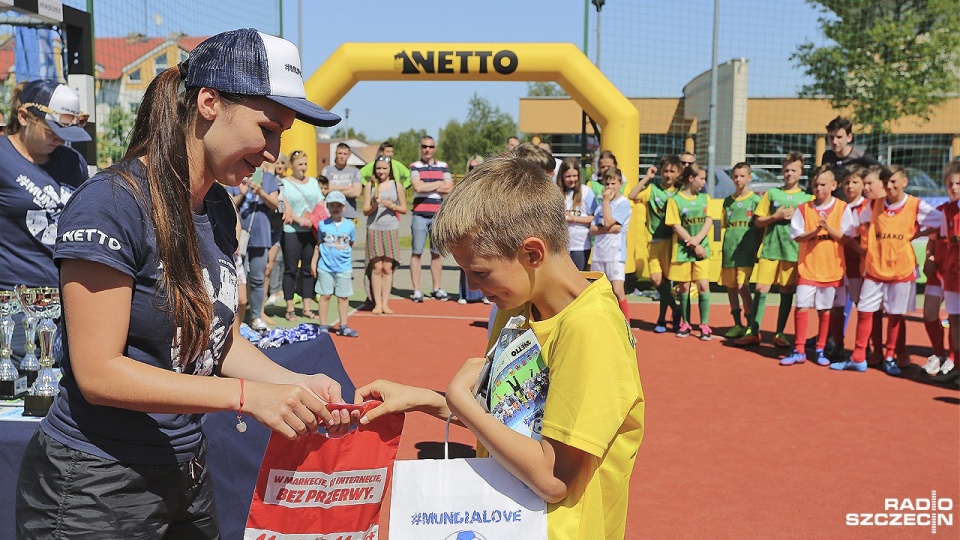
(400, 171)
(431, 180)
(604, 162)
(687, 214)
(819, 227)
(383, 202)
(332, 262)
(256, 199)
(890, 262)
(345, 178)
(302, 195)
(273, 283)
(580, 204)
(464, 293)
(741, 241)
(512, 142)
(655, 196)
(38, 174)
(610, 225)
(778, 255)
(842, 153)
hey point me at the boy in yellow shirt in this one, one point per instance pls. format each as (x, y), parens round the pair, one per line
(582, 464)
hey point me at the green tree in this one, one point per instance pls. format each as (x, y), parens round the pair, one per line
(406, 146)
(545, 89)
(349, 133)
(484, 132)
(889, 58)
(114, 136)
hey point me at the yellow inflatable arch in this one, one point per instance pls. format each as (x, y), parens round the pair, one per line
(563, 63)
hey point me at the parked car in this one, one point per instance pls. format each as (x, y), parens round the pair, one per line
(761, 180)
(921, 185)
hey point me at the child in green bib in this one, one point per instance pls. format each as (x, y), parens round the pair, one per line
(778, 256)
(687, 215)
(741, 241)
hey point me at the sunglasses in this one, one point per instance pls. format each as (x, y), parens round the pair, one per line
(384, 159)
(63, 119)
(687, 163)
(425, 146)
(297, 153)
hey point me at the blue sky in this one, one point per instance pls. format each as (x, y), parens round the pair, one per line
(648, 48)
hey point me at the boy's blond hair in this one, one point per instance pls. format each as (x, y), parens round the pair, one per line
(501, 203)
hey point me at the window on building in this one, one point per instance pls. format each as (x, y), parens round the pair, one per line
(134, 76)
(160, 64)
(134, 106)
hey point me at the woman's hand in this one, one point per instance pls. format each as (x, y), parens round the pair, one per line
(328, 390)
(291, 410)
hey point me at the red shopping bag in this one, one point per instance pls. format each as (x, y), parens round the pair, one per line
(321, 488)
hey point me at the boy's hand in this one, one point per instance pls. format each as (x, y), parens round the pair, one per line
(651, 172)
(608, 194)
(396, 398)
(700, 252)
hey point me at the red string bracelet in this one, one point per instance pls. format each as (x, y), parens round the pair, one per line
(241, 425)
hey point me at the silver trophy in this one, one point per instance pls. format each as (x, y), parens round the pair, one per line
(12, 385)
(44, 304)
(30, 365)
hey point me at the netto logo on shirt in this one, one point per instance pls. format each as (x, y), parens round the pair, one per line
(91, 235)
(504, 62)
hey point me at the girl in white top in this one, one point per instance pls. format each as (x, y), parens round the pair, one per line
(581, 204)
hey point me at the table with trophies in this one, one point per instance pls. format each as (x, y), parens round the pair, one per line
(26, 395)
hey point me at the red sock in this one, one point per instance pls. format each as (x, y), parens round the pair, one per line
(864, 329)
(935, 333)
(836, 326)
(824, 330)
(625, 309)
(894, 329)
(800, 329)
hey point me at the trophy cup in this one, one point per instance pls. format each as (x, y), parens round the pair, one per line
(44, 304)
(30, 365)
(12, 385)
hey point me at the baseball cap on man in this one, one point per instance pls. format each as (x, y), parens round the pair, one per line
(251, 63)
(336, 197)
(58, 105)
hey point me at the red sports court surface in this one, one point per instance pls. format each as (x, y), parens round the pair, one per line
(736, 446)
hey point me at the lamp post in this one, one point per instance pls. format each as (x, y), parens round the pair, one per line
(599, 5)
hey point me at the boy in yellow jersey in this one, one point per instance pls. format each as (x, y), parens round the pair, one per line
(778, 256)
(655, 197)
(819, 226)
(889, 264)
(741, 241)
(582, 464)
(690, 263)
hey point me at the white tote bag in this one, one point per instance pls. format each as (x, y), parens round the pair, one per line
(452, 499)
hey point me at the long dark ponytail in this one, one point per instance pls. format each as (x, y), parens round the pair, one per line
(159, 138)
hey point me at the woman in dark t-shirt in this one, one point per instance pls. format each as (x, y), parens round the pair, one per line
(149, 294)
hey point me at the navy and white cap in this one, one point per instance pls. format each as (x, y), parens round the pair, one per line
(61, 99)
(251, 63)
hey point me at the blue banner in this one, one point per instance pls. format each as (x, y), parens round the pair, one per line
(34, 54)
